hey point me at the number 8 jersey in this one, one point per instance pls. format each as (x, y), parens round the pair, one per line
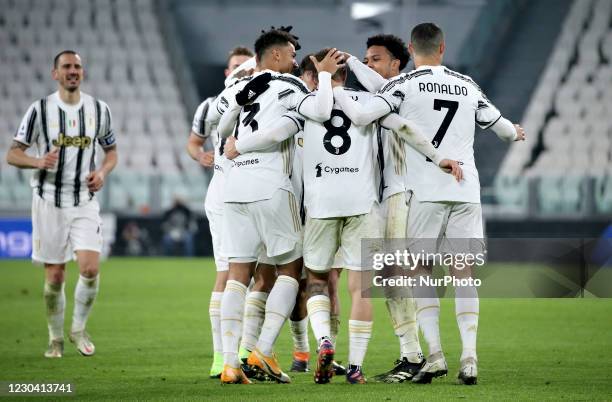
(339, 165)
(444, 106)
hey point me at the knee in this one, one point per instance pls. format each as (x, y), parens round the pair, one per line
(54, 274)
(89, 269)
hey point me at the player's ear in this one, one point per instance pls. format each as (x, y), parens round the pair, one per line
(395, 63)
(442, 47)
(411, 50)
(54, 74)
(226, 72)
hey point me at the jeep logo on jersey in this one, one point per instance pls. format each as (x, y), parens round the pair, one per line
(333, 170)
(68, 141)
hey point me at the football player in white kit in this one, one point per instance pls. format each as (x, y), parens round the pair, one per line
(445, 106)
(260, 207)
(201, 130)
(64, 127)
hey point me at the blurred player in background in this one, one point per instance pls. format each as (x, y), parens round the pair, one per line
(200, 132)
(64, 128)
(445, 106)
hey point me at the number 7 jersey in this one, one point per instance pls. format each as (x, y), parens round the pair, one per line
(444, 107)
(339, 165)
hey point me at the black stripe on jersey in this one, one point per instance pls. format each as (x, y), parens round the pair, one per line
(92, 161)
(298, 122)
(391, 108)
(302, 207)
(247, 78)
(405, 77)
(30, 129)
(468, 80)
(43, 125)
(482, 105)
(285, 93)
(202, 121)
(293, 81)
(62, 160)
(77, 175)
(381, 163)
(484, 125)
(300, 105)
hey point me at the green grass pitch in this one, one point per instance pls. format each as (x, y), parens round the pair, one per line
(151, 330)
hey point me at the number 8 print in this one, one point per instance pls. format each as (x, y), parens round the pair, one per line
(340, 131)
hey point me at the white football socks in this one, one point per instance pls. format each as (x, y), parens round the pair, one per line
(318, 307)
(299, 332)
(334, 327)
(214, 312)
(55, 301)
(254, 314)
(232, 308)
(467, 309)
(428, 315)
(84, 296)
(360, 333)
(278, 308)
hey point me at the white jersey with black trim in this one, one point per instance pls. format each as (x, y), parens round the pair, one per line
(339, 167)
(445, 106)
(74, 129)
(258, 175)
(204, 129)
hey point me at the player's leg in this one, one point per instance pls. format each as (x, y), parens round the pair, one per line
(255, 310)
(50, 246)
(426, 222)
(321, 240)
(399, 301)
(464, 234)
(85, 237)
(241, 243)
(334, 321)
(355, 229)
(277, 219)
(299, 329)
(55, 302)
(215, 220)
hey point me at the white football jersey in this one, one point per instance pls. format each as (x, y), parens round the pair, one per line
(73, 129)
(339, 165)
(444, 106)
(258, 175)
(203, 129)
(392, 162)
(297, 174)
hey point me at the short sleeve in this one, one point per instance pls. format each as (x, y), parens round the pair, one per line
(199, 126)
(106, 136)
(297, 119)
(486, 113)
(393, 93)
(28, 130)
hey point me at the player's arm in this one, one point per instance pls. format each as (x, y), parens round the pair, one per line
(244, 69)
(95, 179)
(17, 157)
(286, 127)
(488, 116)
(26, 135)
(362, 115)
(318, 105)
(200, 131)
(416, 140)
(370, 79)
(228, 120)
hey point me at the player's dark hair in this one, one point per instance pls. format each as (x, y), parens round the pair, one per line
(394, 45)
(339, 75)
(426, 38)
(273, 37)
(60, 54)
(307, 65)
(239, 51)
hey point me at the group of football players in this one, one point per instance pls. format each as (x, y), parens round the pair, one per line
(306, 168)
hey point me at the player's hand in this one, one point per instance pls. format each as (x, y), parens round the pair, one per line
(253, 89)
(452, 167)
(520, 133)
(95, 180)
(229, 149)
(49, 159)
(345, 56)
(206, 158)
(332, 61)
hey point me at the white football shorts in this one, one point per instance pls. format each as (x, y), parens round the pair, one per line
(58, 232)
